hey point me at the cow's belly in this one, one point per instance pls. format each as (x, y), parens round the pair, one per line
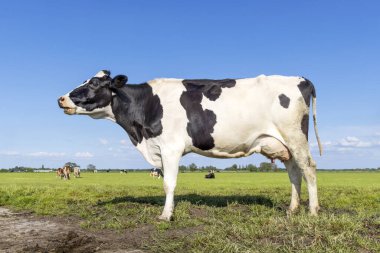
(265, 145)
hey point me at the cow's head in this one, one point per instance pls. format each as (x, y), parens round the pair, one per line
(94, 96)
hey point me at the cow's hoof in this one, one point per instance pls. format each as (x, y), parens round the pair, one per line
(314, 211)
(314, 214)
(165, 217)
(290, 212)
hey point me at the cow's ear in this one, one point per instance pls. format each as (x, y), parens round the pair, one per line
(119, 81)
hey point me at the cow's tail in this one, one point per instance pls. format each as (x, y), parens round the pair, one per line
(314, 105)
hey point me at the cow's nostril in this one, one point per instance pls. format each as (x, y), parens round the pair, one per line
(62, 99)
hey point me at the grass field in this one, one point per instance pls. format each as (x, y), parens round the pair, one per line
(236, 212)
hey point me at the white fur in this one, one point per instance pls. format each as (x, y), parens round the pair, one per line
(100, 74)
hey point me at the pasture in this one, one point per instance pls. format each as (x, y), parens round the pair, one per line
(236, 212)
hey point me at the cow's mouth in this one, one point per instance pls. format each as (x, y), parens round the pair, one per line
(69, 111)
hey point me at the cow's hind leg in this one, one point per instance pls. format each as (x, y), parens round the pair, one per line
(309, 172)
(170, 162)
(295, 176)
(302, 159)
(274, 149)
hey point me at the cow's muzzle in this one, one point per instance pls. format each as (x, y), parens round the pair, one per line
(64, 103)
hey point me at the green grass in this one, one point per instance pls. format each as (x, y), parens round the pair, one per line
(236, 212)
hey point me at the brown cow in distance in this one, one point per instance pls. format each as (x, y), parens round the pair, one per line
(66, 172)
(60, 173)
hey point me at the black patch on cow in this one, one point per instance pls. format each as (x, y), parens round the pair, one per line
(307, 89)
(138, 111)
(92, 95)
(201, 122)
(305, 125)
(209, 88)
(284, 100)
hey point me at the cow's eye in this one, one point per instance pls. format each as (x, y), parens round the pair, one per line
(94, 85)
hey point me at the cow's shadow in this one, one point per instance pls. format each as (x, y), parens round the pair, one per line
(212, 201)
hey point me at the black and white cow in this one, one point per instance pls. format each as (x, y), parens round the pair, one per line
(168, 118)
(156, 173)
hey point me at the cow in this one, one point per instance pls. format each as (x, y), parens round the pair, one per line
(76, 172)
(63, 173)
(156, 173)
(210, 175)
(167, 118)
(66, 172)
(59, 173)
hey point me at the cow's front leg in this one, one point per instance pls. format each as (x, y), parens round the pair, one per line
(170, 164)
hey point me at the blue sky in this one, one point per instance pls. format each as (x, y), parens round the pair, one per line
(49, 47)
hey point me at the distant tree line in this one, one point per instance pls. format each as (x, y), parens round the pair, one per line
(264, 167)
(193, 167)
(21, 169)
(354, 169)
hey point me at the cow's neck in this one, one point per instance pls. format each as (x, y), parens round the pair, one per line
(138, 111)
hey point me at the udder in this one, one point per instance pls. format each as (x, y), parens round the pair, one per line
(271, 148)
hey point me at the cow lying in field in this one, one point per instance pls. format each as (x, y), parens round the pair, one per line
(210, 175)
(156, 173)
(168, 118)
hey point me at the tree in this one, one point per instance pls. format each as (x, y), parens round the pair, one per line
(193, 167)
(209, 168)
(234, 167)
(267, 166)
(71, 165)
(252, 168)
(182, 168)
(91, 167)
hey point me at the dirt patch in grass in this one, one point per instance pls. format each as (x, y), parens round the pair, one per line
(25, 232)
(372, 226)
(339, 211)
(197, 212)
(182, 232)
